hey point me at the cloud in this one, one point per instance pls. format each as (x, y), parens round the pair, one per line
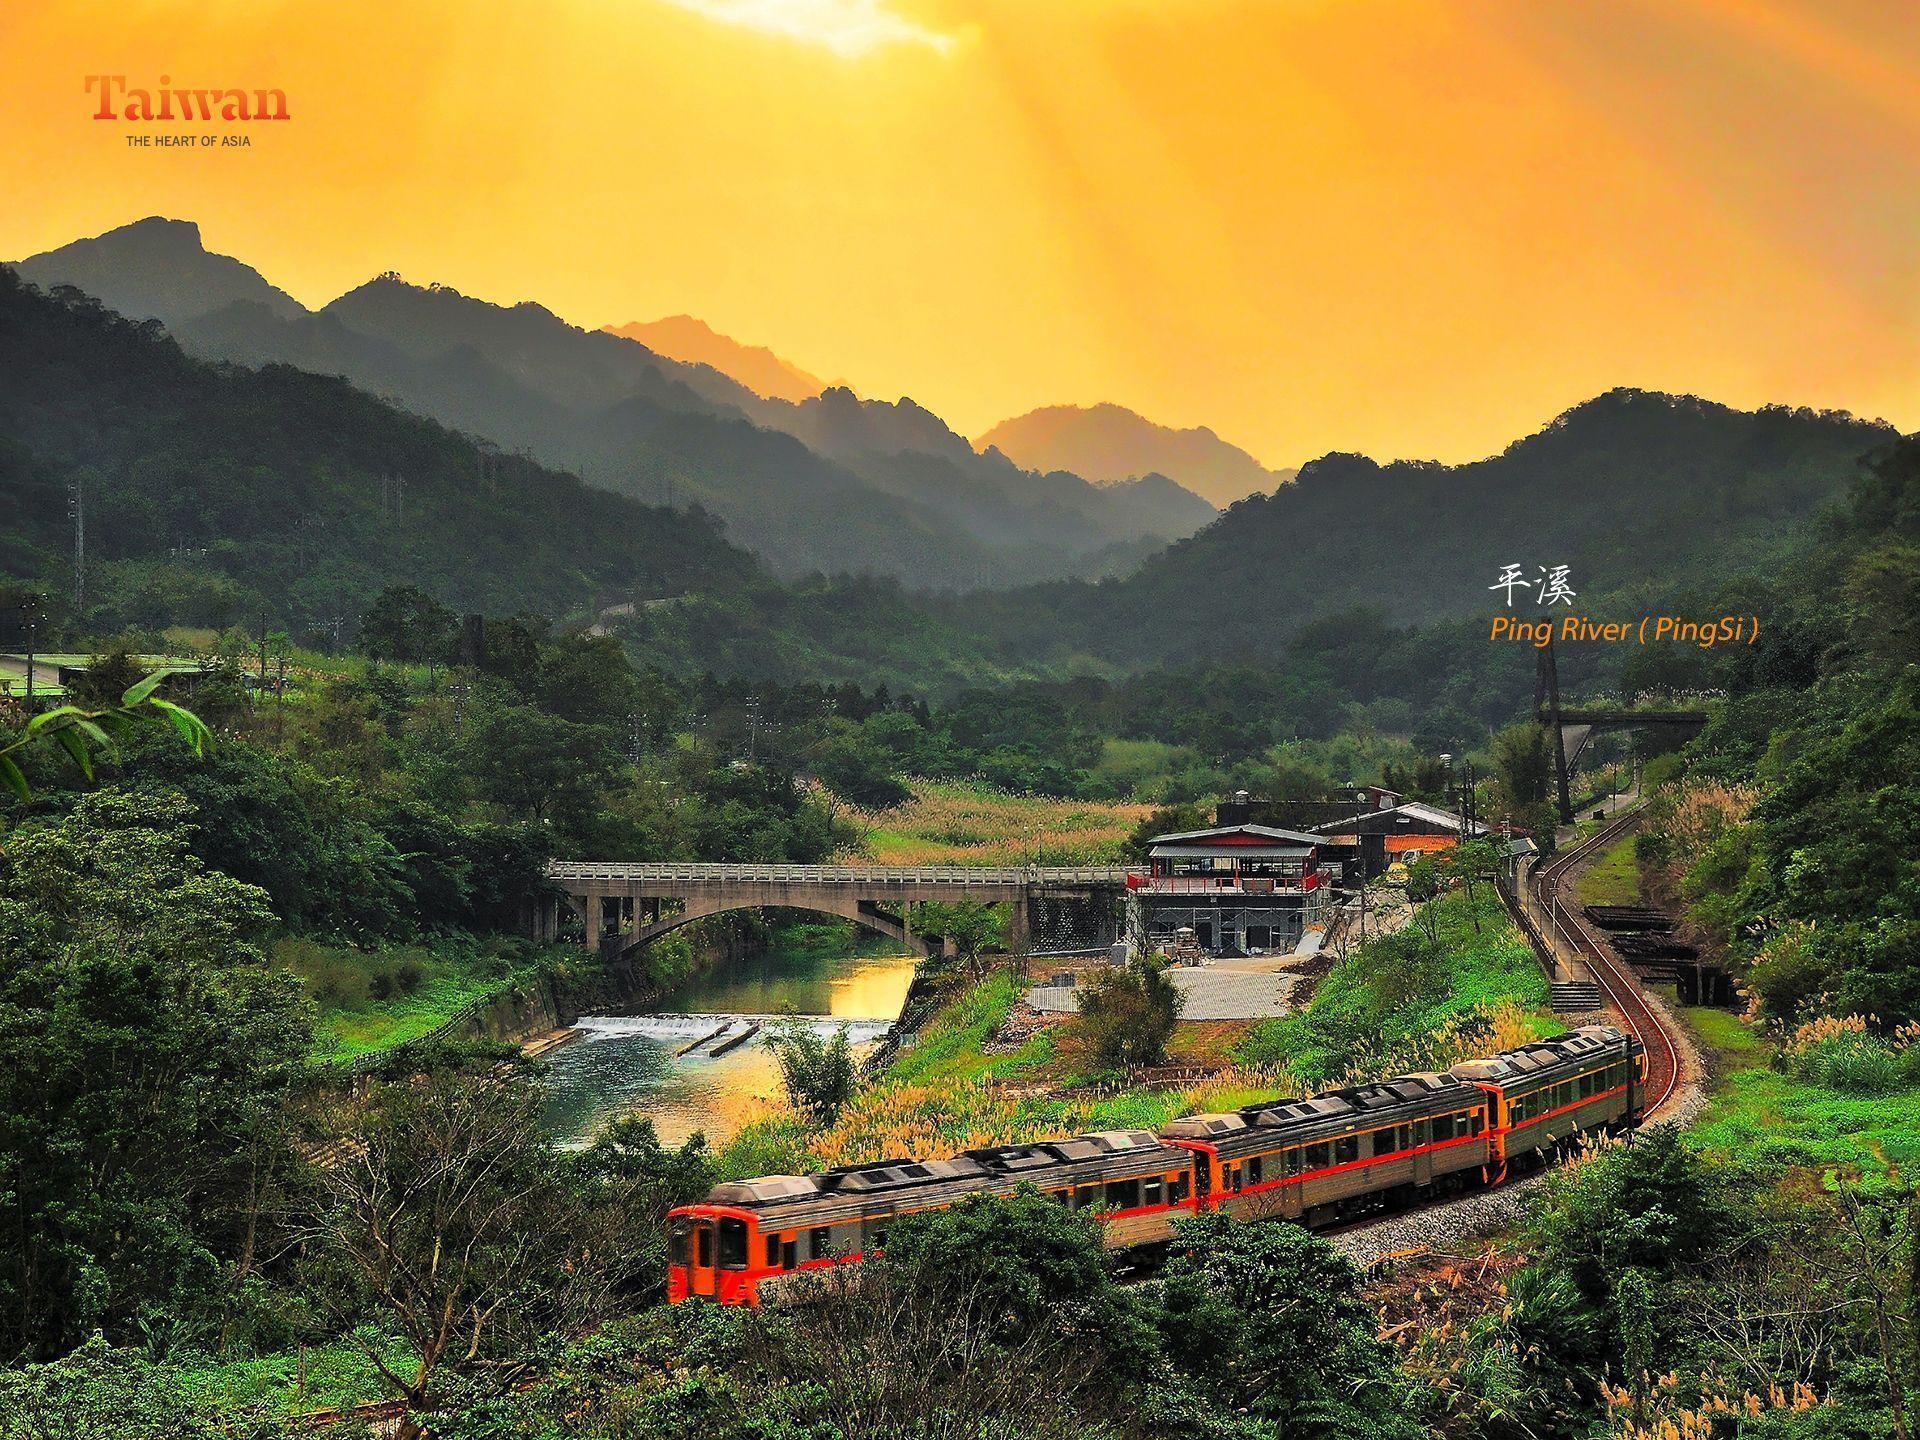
(849, 28)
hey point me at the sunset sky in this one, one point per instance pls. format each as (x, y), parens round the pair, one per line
(1405, 227)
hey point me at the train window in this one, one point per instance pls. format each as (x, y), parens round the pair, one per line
(1290, 1161)
(773, 1250)
(1476, 1122)
(1086, 1197)
(1061, 1197)
(677, 1245)
(790, 1254)
(1177, 1191)
(733, 1244)
(1256, 1169)
(1319, 1156)
(880, 1238)
(1153, 1190)
(1346, 1149)
(704, 1247)
(1420, 1132)
(1123, 1194)
(820, 1243)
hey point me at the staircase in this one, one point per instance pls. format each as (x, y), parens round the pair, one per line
(1576, 997)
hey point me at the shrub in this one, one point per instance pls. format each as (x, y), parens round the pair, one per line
(1127, 1016)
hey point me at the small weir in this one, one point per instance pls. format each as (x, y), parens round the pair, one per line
(702, 1063)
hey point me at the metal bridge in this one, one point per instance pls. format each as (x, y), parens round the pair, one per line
(626, 904)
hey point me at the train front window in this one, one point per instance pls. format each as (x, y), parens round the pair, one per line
(679, 1239)
(733, 1244)
(703, 1247)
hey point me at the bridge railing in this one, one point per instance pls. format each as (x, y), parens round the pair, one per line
(719, 873)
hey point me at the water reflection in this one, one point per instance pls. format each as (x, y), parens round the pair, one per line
(629, 1064)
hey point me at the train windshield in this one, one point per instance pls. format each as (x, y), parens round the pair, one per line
(678, 1242)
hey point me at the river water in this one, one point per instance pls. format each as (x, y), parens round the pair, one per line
(629, 1065)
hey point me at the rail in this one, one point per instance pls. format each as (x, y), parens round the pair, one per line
(1621, 986)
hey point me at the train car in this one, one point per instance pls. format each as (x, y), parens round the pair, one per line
(1317, 1160)
(1328, 1157)
(749, 1235)
(1548, 1094)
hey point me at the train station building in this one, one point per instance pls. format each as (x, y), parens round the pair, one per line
(1242, 889)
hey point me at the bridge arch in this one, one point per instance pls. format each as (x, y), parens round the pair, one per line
(833, 902)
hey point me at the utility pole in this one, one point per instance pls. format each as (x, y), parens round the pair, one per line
(77, 508)
(30, 610)
(1549, 682)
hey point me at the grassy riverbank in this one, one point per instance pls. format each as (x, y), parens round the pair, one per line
(369, 1001)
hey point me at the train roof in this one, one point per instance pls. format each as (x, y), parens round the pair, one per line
(971, 1169)
(1331, 1110)
(1589, 1042)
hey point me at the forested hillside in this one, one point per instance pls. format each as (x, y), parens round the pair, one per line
(1644, 496)
(212, 492)
(836, 484)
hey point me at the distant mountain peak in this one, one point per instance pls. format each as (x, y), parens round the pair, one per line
(692, 341)
(1106, 443)
(156, 268)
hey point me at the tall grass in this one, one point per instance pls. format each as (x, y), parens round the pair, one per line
(949, 822)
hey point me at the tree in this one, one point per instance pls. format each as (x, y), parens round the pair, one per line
(818, 1072)
(1523, 763)
(1423, 888)
(408, 625)
(145, 1050)
(1127, 1015)
(446, 1210)
(974, 928)
(1267, 1319)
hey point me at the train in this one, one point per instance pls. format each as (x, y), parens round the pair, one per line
(1317, 1160)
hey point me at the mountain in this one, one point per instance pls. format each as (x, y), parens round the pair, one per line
(1651, 500)
(214, 492)
(156, 269)
(838, 485)
(694, 342)
(1106, 443)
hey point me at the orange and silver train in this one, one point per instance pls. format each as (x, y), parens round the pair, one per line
(1318, 1160)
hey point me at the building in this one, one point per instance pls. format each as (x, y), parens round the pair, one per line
(1242, 889)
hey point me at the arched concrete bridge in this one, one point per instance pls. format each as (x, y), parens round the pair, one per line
(626, 905)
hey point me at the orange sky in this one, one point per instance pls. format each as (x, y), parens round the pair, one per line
(1406, 227)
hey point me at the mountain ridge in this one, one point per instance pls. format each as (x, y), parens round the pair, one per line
(881, 488)
(693, 341)
(1106, 442)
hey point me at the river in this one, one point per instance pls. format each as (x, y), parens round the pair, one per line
(629, 1064)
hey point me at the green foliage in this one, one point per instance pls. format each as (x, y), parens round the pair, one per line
(1408, 1000)
(84, 734)
(101, 1393)
(144, 1047)
(1127, 1015)
(818, 1072)
(280, 482)
(1266, 1320)
(975, 929)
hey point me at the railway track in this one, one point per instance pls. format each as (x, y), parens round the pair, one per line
(1622, 987)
